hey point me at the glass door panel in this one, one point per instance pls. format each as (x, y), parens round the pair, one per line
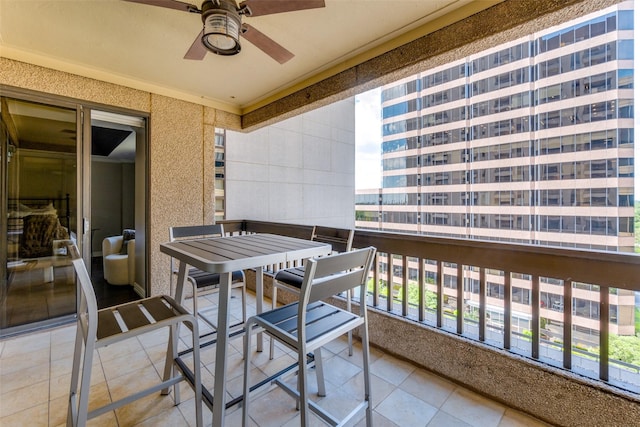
(40, 213)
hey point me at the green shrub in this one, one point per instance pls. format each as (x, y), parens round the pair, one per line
(625, 348)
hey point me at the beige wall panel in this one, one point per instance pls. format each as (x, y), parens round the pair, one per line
(176, 165)
(33, 77)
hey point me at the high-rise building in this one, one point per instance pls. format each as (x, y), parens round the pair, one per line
(218, 183)
(529, 142)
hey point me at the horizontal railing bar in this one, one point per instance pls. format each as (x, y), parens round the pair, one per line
(566, 264)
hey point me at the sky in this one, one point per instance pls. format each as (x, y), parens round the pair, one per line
(368, 140)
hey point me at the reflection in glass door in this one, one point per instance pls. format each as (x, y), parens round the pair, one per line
(39, 212)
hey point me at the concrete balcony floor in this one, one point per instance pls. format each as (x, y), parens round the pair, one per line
(35, 371)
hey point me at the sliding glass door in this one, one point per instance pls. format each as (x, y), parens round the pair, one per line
(68, 172)
(40, 183)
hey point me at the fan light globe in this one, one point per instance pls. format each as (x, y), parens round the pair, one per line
(221, 23)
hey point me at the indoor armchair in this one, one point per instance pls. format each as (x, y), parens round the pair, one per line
(119, 260)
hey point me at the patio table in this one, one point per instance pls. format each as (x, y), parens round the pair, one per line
(224, 255)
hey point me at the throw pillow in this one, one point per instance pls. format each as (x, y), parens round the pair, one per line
(127, 234)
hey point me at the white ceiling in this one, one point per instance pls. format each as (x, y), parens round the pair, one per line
(143, 46)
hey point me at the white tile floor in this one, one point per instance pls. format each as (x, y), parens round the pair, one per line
(35, 374)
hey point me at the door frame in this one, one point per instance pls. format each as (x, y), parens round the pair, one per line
(54, 101)
(83, 187)
(140, 188)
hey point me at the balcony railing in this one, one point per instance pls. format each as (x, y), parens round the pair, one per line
(564, 308)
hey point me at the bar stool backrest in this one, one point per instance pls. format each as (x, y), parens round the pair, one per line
(333, 274)
(195, 231)
(204, 283)
(191, 232)
(340, 239)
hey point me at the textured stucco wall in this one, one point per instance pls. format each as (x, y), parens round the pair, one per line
(176, 185)
(33, 77)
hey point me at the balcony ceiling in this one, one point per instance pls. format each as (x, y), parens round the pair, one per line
(142, 46)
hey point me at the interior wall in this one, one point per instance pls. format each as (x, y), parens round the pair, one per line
(128, 194)
(301, 170)
(112, 200)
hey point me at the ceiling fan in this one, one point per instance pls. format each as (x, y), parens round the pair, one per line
(222, 24)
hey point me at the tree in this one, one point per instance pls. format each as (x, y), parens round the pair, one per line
(625, 349)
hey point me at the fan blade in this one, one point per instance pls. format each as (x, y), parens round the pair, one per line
(266, 44)
(196, 51)
(267, 7)
(169, 4)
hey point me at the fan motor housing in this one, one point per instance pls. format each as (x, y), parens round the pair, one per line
(222, 26)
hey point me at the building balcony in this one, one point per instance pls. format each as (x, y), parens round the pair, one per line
(35, 374)
(546, 351)
(448, 346)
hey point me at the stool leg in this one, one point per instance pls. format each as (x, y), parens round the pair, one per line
(197, 378)
(367, 375)
(317, 357)
(75, 376)
(274, 304)
(85, 384)
(247, 380)
(350, 333)
(244, 302)
(195, 298)
(172, 350)
(302, 386)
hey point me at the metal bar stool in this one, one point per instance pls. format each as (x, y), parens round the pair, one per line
(305, 326)
(202, 282)
(99, 328)
(290, 279)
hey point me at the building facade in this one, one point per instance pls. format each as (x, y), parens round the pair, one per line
(300, 170)
(529, 142)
